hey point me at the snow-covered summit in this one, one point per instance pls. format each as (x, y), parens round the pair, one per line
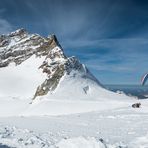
(20, 46)
(40, 69)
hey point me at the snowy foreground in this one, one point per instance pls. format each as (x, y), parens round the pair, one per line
(101, 125)
(49, 100)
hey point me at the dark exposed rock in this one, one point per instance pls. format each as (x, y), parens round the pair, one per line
(4, 40)
(136, 105)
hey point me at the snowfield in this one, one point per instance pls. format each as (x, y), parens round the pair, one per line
(78, 114)
(13, 137)
(48, 100)
(123, 127)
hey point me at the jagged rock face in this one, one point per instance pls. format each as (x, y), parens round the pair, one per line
(18, 46)
(55, 70)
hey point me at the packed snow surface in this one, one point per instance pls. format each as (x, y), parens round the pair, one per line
(122, 127)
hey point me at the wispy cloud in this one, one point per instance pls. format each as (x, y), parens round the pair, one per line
(124, 58)
(5, 26)
(109, 36)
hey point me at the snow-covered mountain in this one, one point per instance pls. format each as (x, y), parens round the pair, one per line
(50, 100)
(36, 67)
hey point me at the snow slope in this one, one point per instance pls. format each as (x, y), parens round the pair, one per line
(21, 81)
(81, 86)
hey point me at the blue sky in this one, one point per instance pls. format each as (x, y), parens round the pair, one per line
(109, 36)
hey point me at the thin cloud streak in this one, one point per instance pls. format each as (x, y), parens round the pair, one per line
(109, 36)
(5, 26)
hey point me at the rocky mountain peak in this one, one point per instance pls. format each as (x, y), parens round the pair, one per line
(20, 45)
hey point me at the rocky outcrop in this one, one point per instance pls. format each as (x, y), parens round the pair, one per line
(20, 45)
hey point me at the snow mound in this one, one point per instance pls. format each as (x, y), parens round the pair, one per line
(140, 142)
(15, 137)
(80, 142)
(23, 138)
